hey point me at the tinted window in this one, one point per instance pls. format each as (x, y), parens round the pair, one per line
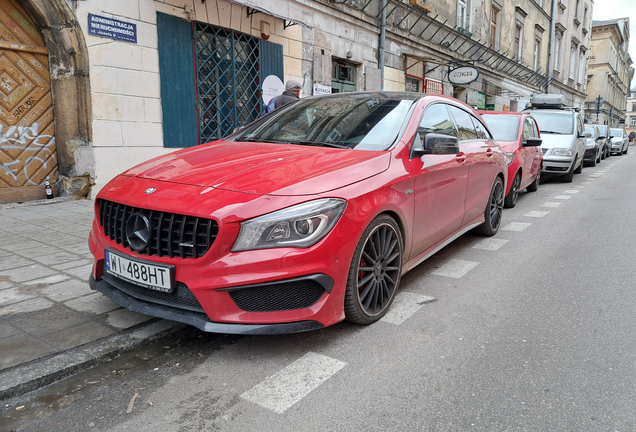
(360, 121)
(482, 131)
(528, 131)
(465, 128)
(555, 123)
(436, 120)
(503, 127)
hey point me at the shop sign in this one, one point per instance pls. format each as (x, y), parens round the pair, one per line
(481, 100)
(112, 28)
(320, 89)
(463, 75)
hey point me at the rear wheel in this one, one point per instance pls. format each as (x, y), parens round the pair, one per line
(593, 163)
(374, 275)
(532, 187)
(513, 195)
(494, 210)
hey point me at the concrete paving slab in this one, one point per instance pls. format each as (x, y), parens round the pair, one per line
(14, 295)
(56, 258)
(96, 303)
(34, 251)
(67, 290)
(5, 284)
(123, 318)
(13, 261)
(72, 264)
(47, 280)
(76, 336)
(7, 330)
(26, 273)
(22, 348)
(33, 305)
(45, 322)
(80, 272)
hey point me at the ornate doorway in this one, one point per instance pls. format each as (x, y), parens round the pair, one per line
(27, 128)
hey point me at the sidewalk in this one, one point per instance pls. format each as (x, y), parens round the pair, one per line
(51, 323)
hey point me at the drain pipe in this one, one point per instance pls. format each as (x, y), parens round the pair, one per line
(381, 47)
(550, 45)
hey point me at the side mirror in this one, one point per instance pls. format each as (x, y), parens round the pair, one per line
(611, 136)
(585, 135)
(601, 137)
(434, 144)
(533, 142)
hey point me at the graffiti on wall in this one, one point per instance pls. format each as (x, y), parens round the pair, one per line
(36, 150)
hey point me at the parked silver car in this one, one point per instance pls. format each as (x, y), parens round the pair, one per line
(620, 141)
(563, 135)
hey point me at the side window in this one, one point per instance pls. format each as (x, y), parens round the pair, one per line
(535, 130)
(436, 119)
(482, 132)
(581, 128)
(465, 128)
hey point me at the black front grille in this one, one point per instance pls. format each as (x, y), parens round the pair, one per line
(281, 296)
(171, 234)
(181, 297)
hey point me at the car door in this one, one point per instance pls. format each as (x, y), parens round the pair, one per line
(580, 140)
(482, 171)
(530, 156)
(440, 184)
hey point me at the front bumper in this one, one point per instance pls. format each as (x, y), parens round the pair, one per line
(197, 319)
(590, 155)
(557, 164)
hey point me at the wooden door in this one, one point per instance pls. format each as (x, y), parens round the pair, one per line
(27, 135)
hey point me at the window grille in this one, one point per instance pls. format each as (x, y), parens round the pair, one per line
(228, 87)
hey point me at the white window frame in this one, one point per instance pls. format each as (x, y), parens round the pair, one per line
(557, 52)
(581, 66)
(572, 73)
(520, 50)
(537, 52)
(462, 14)
(633, 123)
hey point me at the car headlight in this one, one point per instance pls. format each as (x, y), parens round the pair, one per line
(300, 226)
(509, 158)
(562, 152)
(590, 144)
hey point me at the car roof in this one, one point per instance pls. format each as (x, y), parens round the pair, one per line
(511, 113)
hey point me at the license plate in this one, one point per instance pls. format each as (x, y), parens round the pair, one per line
(158, 277)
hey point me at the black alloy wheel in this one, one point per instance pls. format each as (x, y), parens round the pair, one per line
(374, 275)
(494, 210)
(513, 195)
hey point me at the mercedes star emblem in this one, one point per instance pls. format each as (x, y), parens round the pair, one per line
(138, 231)
(150, 190)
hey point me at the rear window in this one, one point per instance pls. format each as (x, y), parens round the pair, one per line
(503, 127)
(554, 123)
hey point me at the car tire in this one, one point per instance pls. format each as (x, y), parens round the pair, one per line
(534, 186)
(513, 195)
(620, 152)
(600, 157)
(371, 286)
(567, 178)
(626, 148)
(494, 210)
(592, 164)
(579, 169)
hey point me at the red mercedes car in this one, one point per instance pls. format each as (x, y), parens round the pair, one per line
(518, 134)
(303, 218)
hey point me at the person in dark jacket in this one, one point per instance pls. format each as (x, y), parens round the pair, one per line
(291, 93)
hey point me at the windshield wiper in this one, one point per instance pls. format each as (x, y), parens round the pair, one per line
(262, 140)
(321, 144)
(552, 132)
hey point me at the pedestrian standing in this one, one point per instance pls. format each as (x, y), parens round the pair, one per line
(291, 93)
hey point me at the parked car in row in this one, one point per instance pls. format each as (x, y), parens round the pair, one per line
(620, 141)
(594, 146)
(562, 133)
(604, 133)
(307, 216)
(518, 135)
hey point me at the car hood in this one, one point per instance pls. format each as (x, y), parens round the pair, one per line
(556, 141)
(263, 168)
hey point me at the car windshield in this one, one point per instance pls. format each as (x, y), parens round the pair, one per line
(352, 121)
(503, 127)
(591, 130)
(554, 123)
(616, 133)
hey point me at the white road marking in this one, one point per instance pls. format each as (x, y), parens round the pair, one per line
(595, 176)
(572, 191)
(288, 386)
(562, 197)
(490, 244)
(455, 268)
(516, 226)
(550, 204)
(405, 305)
(535, 213)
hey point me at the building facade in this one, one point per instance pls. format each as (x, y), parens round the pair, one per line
(115, 82)
(630, 117)
(610, 72)
(570, 48)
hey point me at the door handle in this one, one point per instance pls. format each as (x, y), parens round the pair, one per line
(460, 158)
(489, 152)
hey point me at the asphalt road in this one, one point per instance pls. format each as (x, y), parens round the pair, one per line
(531, 330)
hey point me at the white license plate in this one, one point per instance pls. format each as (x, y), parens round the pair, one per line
(158, 277)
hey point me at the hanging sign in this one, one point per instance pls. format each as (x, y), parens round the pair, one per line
(320, 89)
(272, 87)
(463, 75)
(112, 28)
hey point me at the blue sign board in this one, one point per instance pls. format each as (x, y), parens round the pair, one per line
(112, 28)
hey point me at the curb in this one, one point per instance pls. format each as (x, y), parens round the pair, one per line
(21, 379)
